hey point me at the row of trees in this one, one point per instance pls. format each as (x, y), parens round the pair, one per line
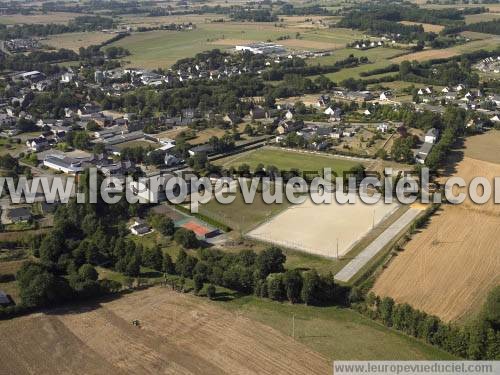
(488, 27)
(39, 60)
(479, 340)
(262, 274)
(299, 67)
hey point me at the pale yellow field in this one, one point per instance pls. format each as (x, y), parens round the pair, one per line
(74, 41)
(315, 228)
(484, 146)
(50, 17)
(450, 266)
(428, 27)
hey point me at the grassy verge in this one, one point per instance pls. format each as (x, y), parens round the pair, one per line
(336, 333)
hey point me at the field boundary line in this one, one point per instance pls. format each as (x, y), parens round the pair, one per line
(355, 265)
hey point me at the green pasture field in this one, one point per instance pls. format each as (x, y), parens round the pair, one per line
(163, 48)
(287, 160)
(240, 216)
(378, 57)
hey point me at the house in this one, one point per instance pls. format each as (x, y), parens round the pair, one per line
(495, 99)
(37, 144)
(329, 111)
(359, 95)
(6, 120)
(287, 126)
(383, 127)
(385, 95)
(451, 95)
(460, 87)
(32, 76)
(232, 119)
(495, 118)
(367, 112)
(323, 101)
(88, 108)
(257, 113)
(110, 169)
(289, 115)
(19, 214)
(474, 125)
(139, 228)
(4, 299)
(320, 146)
(201, 149)
(67, 77)
(337, 134)
(188, 113)
(445, 89)
(48, 208)
(431, 136)
(171, 160)
(336, 114)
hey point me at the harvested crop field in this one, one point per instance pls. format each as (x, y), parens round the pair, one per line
(427, 55)
(50, 17)
(428, 27)
(178, 334)
(316, 228)
(449, 267)
(486, 43)
(484, 146)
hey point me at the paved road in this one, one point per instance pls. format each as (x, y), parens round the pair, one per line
(353, 267)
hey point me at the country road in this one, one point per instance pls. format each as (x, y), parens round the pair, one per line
(355, 265)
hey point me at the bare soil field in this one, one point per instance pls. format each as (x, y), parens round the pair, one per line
(178, 334)
(449, 268)
(316, 228)
(428, 27)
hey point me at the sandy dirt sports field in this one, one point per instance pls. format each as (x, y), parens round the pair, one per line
(179, 334)
(449, 268)
(315, 228)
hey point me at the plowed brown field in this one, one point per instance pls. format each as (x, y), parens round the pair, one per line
(450, 266)
(178, 334)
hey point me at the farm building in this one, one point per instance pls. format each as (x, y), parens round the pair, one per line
(261, 48)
